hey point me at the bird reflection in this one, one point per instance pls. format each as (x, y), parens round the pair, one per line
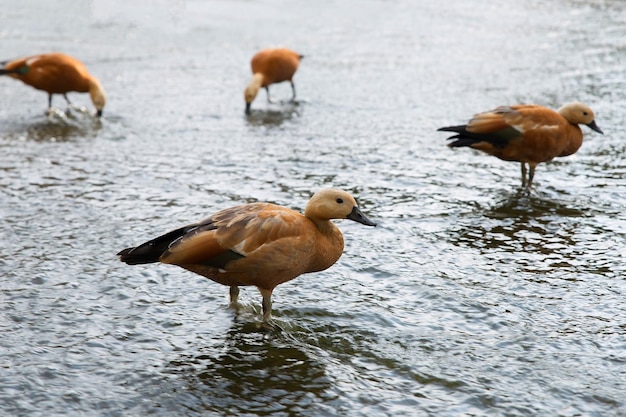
(521, 226)
(260, 370)
(274, 117)
(56, 125)
(524, 204)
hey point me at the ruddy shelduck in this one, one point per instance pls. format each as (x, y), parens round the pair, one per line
(525, 133)
(56, 73)
(260, 244)
(271, 66)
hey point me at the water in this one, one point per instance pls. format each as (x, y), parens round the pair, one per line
(471, 297)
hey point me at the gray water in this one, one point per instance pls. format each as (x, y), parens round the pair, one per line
(471, 297)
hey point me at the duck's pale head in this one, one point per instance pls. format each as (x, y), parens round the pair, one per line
(579, 113)
(331, 203)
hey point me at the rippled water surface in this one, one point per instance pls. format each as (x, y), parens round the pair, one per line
(471, 297)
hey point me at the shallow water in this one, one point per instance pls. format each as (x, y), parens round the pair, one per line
(471, 297)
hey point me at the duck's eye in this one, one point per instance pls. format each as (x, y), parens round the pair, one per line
(585, 113)
(340, 201)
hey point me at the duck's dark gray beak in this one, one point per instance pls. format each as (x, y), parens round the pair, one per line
(359, 217)
(594, 126)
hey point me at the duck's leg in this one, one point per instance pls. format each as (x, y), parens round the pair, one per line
(70, 106)
(267, 89)
(293, 91)
(267, 304)
(234, 294)
(523, 174)
(50, 110)
(531, 173)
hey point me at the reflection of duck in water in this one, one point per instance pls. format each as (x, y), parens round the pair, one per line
(271, 66)
(259, 244)
(528, 133)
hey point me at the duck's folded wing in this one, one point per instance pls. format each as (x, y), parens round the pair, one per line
(497, 127)
(524, 118)
(493, 121)
(232, 234)
(152, 250)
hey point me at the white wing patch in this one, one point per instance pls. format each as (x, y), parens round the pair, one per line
(519, 128)
(239, 248)
(32, 60)
(522, 127)
(538, 126)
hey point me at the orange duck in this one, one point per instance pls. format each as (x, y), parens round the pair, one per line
(258, 244)
(271, 66)
(525, 133)
(56, 73)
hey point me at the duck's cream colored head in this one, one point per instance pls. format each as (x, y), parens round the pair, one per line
(579, 114)
(331, 203)
(97, 94)
(252, 90)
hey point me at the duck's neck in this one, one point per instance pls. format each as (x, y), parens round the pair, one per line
(256, 82)
(329, 245)
(574, 140)
(97, 94)
(324, 226)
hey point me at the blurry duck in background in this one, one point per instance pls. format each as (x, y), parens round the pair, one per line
(56, 73)
(260, 244)
(526, 133)
(271, 66)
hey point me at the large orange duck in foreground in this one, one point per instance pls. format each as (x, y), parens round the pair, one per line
(271, 66)
(258, 244)
(525, 133)
(56, 73)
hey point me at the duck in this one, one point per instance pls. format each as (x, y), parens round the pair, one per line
(256, 244)
(56, 73)
(271, 66)
(525, 133)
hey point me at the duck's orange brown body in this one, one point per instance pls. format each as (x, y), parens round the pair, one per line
(271, 66)
(56, 73)
(529, 134)
(258, 244)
